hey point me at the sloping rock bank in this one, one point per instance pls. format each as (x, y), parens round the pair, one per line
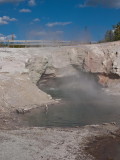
(102, 60)
(21, 69)
(99, 59)
(17, 92)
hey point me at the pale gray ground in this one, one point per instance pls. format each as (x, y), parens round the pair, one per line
(49, 143)
(20, 69)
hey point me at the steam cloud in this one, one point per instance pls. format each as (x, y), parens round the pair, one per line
(82, 87)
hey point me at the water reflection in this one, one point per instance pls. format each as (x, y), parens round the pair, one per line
(83, 103)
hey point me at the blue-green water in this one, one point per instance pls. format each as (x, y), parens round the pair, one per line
(82, 103)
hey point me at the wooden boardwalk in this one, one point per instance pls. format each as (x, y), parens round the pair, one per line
(38, 43)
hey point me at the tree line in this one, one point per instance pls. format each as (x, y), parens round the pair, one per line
(114, 34)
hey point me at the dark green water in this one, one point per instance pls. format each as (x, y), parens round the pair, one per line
(83, 103)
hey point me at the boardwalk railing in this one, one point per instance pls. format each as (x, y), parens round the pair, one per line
(39, 43)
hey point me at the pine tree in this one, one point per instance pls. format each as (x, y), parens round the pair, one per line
(109, 36)
(117, 32)
(113, 35)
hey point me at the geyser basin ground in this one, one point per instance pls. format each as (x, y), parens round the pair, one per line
(21, 67)
(83, 102)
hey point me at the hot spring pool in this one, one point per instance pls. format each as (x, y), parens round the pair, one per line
(83, 102)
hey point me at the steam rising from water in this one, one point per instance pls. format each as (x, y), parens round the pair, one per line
(83, 102)
(77, 86)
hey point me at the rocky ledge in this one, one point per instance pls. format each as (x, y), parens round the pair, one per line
(22, 68)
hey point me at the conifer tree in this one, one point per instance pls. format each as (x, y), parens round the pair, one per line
(117, 32)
